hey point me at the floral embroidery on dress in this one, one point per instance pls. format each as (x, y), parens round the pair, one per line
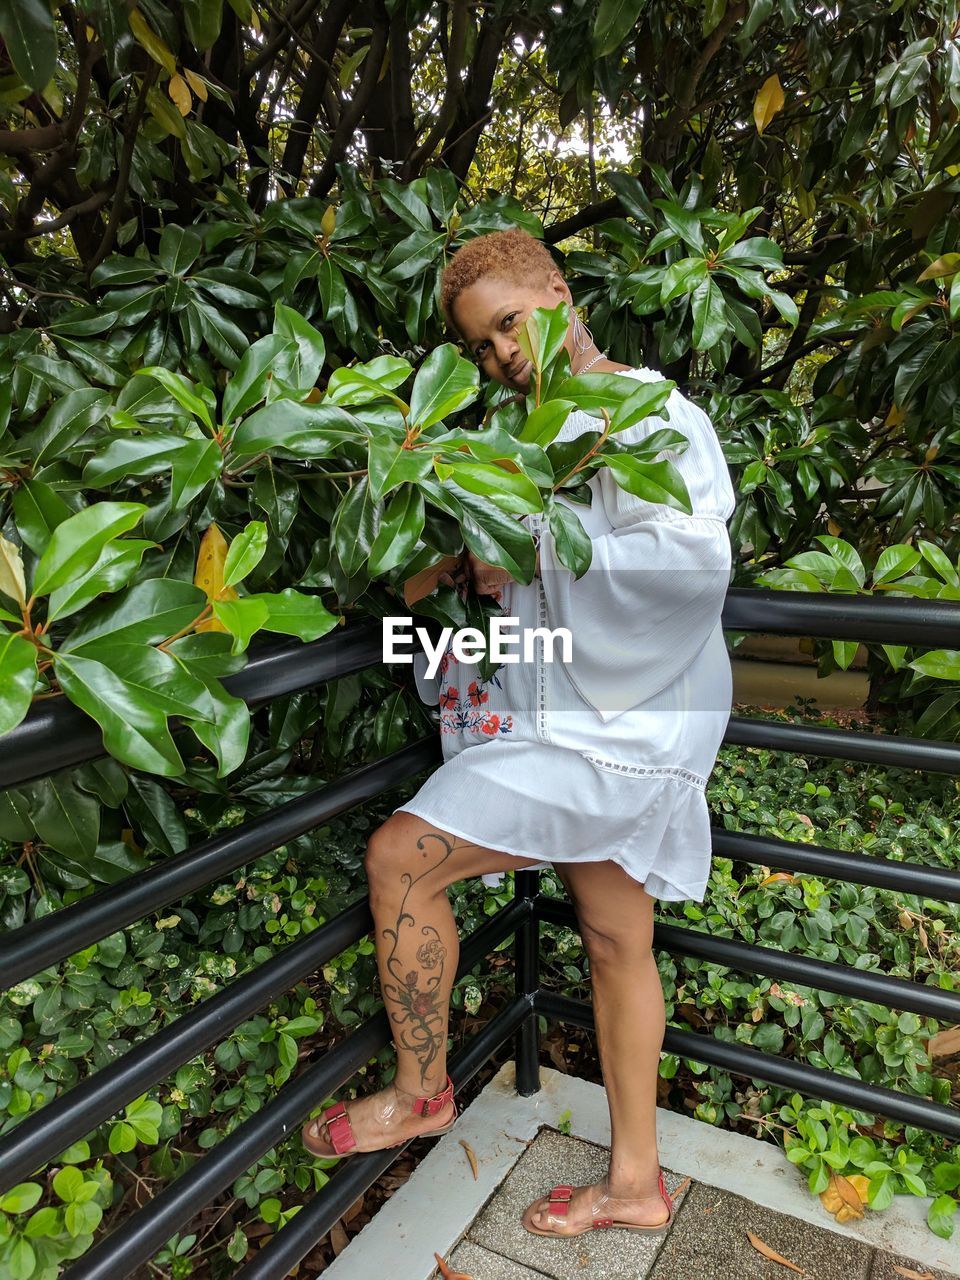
(467, 713)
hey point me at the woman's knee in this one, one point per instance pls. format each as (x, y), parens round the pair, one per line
(396, 855)
(615, 944)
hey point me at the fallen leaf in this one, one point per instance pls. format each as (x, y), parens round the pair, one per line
(842, 1198)
(354, 1209)
(913, 1275)
(338, 1238)
(771, 1254)
(471, 1156)
(778, 875)
(944, 1043)
(447, 1274)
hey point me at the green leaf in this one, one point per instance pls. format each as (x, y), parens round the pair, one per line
(248, 386)
(940, 1216)
(649, 398)
(66, 421)
(544, 424)
(571, 542)
(614, 21)
(21, 1259)
(146, 613)
(179, 249)
(245, 553)
(134, 731)
(293, 613)
(942, 664)
(182, 389)
(389, 723)
(21, 1198)
(399, 532)
(195, 465)
(355, 526)
(592, 392)
(360, 383)
(445, 382)
(307, 431)
(64, 816)
(543, 334)
(18, 676)
(243, 618)
(146, 455)
(510, 490)
(228, 734)
(390, 465)
(939, 561)
(158, 680)
(894, 562)
(31, 40)
(38, 509)
(308, 340)
(75, 545)
(658, 482)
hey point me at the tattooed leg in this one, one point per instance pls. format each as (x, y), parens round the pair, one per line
(410, 864)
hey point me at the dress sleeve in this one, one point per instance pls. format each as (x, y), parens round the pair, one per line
(653, 594)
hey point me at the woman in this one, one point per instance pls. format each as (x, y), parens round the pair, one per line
(598, 766)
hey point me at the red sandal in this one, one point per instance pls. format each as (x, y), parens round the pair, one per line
(341, 1131)
(559, 1201)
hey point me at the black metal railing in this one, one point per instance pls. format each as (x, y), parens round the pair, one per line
(56, 736)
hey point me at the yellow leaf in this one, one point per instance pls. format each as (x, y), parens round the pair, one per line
(329, 221)
(777, 875)
(180, 94)
(842, 1198)
(833, 528)
(209, 574)
(12, 581)
(196, 83)
(948, 265)
(769, 101)
(931, 453)
(153, 44)
(894, 417)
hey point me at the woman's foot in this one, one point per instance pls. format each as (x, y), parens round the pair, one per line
(383, 1119)
(587, 1204)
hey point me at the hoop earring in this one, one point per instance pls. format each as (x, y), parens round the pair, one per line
(582, 337)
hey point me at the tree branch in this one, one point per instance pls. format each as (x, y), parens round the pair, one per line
(312, 95)
(459, 18)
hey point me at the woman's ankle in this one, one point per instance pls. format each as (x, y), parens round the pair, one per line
(633, 1183)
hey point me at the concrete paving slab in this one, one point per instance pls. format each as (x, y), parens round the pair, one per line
(885, 1264)
(709, 1238)
(601, 1255)
(482, 1264)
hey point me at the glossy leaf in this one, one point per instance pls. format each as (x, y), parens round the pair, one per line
(243, 618)
(658, 482)
(18, 676)
(134, 731)
(146, 613)
(245, 553)
(195, 465)
(12, 582)
(294, 613)
(115, 566)
(76, 544)
(445, 383)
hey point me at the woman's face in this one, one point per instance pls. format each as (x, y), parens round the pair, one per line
(489, 315)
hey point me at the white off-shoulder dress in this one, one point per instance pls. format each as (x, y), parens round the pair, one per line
(606, 756)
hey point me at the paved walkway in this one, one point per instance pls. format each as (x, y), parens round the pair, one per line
(731, 1186)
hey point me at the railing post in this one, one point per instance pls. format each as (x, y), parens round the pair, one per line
(527, 885)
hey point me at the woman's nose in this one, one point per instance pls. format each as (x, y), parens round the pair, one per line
(506, 348)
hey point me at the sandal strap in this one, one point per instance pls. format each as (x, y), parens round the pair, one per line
(430, 1106)
(559, 1199)
(603, 1222)
(667, 1198)
(339, 1128)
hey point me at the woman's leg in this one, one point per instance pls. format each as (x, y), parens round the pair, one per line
(410, 864)
(616, 924)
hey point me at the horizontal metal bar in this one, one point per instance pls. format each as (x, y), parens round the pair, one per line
(837, 864)
(880, 619)
(45, 1133)
(45, 942)
(316, 1217)
(57, 735)
(140, 1236)
(823, 975)
(740, 1059)
(846, 744)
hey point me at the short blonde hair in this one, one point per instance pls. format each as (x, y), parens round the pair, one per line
(507, 255)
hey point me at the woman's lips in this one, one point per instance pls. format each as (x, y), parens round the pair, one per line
(519, 370)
